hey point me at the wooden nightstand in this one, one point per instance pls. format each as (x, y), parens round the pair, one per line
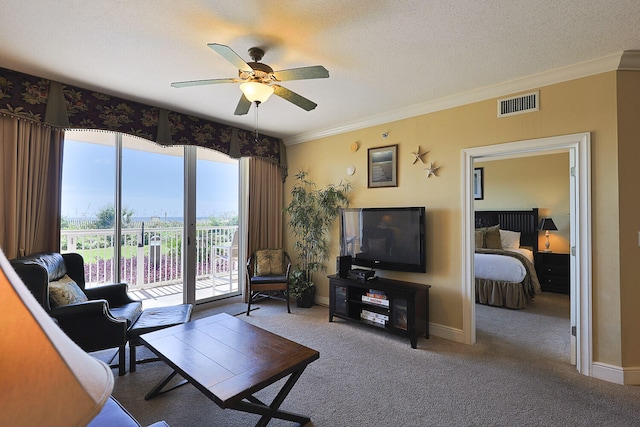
(553, 271)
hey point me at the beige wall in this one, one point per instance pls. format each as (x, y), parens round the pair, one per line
(629, 244)
(583, 105)
(524, 183)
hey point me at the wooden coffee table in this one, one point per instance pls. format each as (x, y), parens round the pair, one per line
(229, 360)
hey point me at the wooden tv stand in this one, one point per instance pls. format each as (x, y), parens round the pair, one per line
(398, 307)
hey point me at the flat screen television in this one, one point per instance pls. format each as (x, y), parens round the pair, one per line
(384, 238)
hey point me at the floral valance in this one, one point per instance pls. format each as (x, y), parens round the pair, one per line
(71, 107)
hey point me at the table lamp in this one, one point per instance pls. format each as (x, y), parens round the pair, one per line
(47, 380)
(547, 224)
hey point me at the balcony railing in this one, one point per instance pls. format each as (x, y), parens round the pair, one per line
(151, 257)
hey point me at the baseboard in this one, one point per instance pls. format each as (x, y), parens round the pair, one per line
(324, 301)
(446, 332)
(616, 374)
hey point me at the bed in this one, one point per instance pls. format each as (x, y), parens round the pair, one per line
(503, 262)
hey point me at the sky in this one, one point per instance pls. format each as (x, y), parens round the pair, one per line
(152, 183)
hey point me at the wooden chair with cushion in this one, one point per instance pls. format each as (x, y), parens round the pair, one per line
(268, 276)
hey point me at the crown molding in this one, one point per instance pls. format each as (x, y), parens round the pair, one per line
(630, 60)
(627, 60)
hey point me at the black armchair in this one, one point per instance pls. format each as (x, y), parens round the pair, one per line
(99, 323)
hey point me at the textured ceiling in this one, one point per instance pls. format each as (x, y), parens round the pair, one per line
(382, 56)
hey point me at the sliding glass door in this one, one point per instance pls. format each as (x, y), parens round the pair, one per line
(152, 207)
(217, 223)
(124, 204)
(87, 205)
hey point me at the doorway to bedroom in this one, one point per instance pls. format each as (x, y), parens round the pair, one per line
(577, 147)
(506, 317)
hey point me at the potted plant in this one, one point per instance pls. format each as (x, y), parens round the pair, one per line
(300, 289)
(311, 213)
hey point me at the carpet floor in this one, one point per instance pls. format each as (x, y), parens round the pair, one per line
(518, 373)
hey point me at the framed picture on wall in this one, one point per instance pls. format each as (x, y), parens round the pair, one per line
(383, 166)
(478, 184)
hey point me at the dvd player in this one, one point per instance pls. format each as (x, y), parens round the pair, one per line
(361, 275)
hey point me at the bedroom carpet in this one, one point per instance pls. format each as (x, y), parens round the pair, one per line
(517, 374)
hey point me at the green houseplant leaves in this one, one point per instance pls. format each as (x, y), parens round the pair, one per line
(311, 213)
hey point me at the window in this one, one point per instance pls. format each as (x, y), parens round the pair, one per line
(102, 168)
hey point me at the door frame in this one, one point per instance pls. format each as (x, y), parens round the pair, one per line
(579, 147)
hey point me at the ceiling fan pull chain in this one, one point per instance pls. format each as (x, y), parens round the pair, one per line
(256, 126)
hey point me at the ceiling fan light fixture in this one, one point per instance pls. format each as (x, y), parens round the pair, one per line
(259, 81)
(256, 92)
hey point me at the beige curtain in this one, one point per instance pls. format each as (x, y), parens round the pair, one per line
(266, 190)
(30, 187)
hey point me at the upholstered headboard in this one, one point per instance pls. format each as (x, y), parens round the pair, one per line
(523, 221)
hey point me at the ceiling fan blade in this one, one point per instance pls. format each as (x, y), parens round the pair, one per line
(243, 106)
(203, 82)
(294, 98)
(227, 53)
(314, 72)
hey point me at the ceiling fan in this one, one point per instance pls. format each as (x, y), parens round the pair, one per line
(259, 81)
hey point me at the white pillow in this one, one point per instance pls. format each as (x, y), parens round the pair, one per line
(510, 239)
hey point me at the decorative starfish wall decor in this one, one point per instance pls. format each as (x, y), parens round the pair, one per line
(418, 156)
(431, 170)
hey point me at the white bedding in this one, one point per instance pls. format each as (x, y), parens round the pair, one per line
(501, 268)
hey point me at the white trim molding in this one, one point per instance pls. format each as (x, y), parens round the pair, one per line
(616, 374)
(446, 332)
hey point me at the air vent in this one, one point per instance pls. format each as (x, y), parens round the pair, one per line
(519, 104)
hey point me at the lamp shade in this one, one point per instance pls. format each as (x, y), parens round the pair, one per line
(547, 224)
(256, 92)
(46, 378)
